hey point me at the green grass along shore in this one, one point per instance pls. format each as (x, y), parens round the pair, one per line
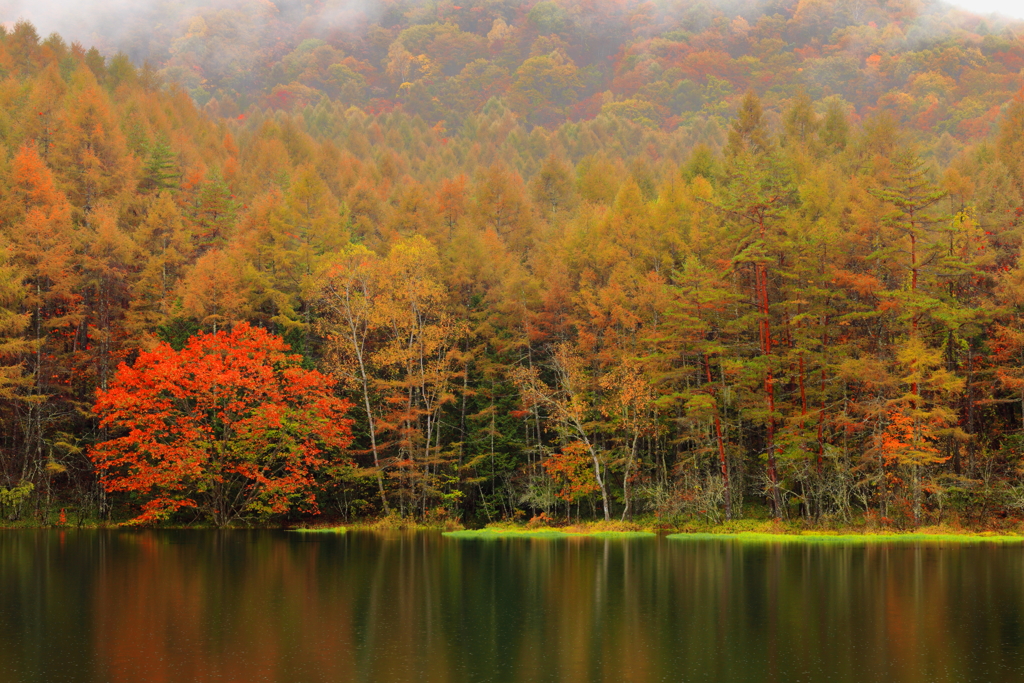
(744, 530)
(848, 538)
(742, 537)
(544, 532)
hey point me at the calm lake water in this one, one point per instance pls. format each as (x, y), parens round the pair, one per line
(286, 607)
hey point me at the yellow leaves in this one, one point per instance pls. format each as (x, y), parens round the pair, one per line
(702, 189)
(390, 326)
(90, 150)
(598, 178)
(197, 27)
(428, 68)
(16, 495)
(923, 367)
(53, 468)
(500, 31)
(628, 396)
(215, 290)
(870, 372)
(399, 62)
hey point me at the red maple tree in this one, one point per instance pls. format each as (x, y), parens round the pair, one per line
(231, 425)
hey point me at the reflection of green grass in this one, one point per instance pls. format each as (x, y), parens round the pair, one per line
(753, 537)
(322, 530)
(544, 532)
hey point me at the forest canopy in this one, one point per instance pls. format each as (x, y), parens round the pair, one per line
(606, 259)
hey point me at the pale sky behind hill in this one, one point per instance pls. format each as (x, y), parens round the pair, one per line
(72, 17)
(1010, 8)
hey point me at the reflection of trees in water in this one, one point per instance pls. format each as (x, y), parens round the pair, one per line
(251, 606)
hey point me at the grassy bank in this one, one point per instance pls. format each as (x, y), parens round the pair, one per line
(761, 531)
(485, 534)
(863, 538)
(590, 529)
(751, 530)
(388, 523)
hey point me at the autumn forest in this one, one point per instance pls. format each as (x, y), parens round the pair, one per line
(599, 259)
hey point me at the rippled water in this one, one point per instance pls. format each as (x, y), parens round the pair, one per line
(286, 607)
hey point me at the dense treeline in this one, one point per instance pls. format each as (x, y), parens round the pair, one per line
(786, 302)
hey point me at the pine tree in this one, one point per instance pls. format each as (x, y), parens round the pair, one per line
(160, 172)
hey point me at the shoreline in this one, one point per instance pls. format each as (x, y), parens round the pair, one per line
(749, 531)
(864, 538)
(492, 533)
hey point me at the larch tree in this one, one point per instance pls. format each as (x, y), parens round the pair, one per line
(756, 194)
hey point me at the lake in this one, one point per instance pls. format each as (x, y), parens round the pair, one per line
(248, 606)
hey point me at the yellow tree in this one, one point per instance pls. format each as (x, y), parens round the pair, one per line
(14, 322)
(628, 407)
(1009, 336)
(306, 230)
(108, 274)
(216, 289)
(90, 151)
(165, 248)
(419, 356)
(348, 292)
(391, 331)
(42, 242)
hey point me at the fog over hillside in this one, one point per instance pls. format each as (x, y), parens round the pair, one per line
(143, 29)
(1009, 8)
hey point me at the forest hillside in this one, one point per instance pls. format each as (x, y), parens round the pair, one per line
(568, 258)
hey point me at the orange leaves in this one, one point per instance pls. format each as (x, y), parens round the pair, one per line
(33, 181)
(230, 425)
(216, 291)
(908, 438)
(451, 200)
(570, 469)
(863, 284)
(90, 151)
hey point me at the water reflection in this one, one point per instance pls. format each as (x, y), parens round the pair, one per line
(269, 606)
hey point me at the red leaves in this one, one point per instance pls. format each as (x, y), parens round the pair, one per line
(230, 425)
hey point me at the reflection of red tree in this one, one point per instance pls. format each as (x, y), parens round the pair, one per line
(172, 613)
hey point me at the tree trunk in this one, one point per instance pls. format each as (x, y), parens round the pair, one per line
(722, 460)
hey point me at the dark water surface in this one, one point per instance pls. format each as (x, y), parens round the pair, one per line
(245, 606)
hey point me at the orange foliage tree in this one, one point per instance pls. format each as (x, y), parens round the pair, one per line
(231, 426)
(569, 467)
